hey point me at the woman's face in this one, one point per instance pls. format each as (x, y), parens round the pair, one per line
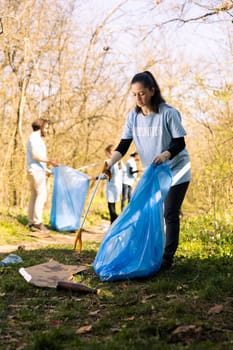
(44, 130)
(142, 96)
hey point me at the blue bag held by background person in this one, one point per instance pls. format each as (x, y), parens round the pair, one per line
(68, 198)
(134, 245)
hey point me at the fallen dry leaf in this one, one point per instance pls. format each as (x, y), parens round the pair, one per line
(186, 334)
(171, 296)
(84, 329)
(129, 318)
(185, 329)
(21, 247)
(93, 313)
(216, 309)
(144, 300)
(115, 329)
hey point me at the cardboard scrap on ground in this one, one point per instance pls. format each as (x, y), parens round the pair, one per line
(50, 273)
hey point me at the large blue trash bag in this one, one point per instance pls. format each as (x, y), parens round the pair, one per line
(68, 198)
(134, 245)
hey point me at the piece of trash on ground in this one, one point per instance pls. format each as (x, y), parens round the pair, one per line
(11, 259)
(52, 274)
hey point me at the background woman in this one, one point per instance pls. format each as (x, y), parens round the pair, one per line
(114, 184)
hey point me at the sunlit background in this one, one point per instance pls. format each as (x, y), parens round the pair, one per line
(72, 62)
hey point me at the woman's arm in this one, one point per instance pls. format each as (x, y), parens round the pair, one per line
(120, 151)
(176, 146)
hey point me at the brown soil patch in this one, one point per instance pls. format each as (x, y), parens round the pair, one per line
(53, 238)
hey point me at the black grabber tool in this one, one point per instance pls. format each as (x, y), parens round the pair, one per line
(78, 237)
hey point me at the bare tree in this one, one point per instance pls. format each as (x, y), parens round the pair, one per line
(72, 62)
(210, 11)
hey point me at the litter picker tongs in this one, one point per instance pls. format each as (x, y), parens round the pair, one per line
(78, 237)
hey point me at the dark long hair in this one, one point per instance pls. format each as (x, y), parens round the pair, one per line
(148, 81)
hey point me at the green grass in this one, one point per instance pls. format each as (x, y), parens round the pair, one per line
(12, 228)
(174, 310)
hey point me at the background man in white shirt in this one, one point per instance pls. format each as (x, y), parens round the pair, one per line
(37, 169)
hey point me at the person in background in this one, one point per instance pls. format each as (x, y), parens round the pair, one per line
(36, 173)
(157, 131)
(114, 184)
(130, 175)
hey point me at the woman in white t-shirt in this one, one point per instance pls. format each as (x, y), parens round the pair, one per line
(114, 184)
(158, 134)
(129, 176)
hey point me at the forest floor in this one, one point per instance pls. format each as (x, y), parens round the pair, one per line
(188, 307)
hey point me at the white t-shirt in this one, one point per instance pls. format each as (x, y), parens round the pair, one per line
(114, 186)
(36, 143)
(128, 178)
(152, 135)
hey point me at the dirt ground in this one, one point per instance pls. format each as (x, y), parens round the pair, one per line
(55, 238)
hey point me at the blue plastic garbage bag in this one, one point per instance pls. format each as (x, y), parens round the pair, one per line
(68, 198)
(134, 245)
